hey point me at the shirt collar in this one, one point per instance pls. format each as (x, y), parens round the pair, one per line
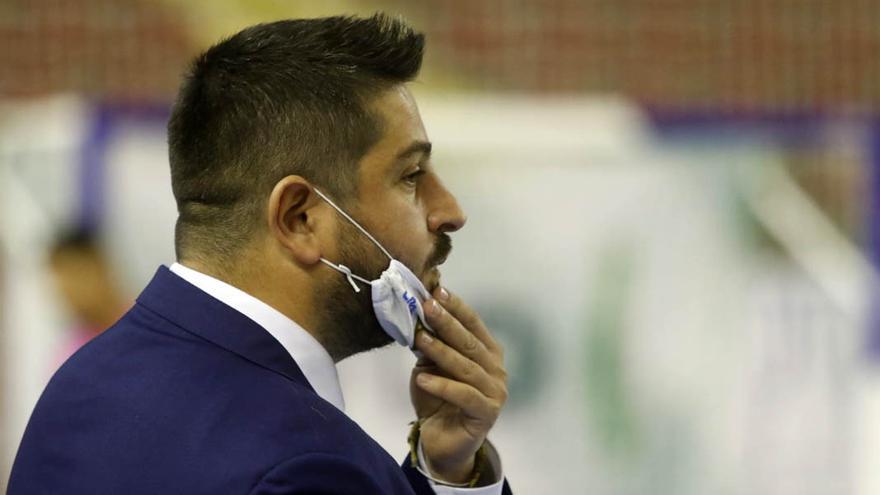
(311, 357)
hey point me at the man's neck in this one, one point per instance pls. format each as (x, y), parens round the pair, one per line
(265, 286)
(342, 333)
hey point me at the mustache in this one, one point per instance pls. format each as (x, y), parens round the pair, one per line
(442, 248)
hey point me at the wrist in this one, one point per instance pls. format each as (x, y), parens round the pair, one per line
(458, 473)
(478, 471)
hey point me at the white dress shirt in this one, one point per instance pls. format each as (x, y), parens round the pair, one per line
(313, 360)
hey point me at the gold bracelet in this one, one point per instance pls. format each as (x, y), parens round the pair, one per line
(480, 461)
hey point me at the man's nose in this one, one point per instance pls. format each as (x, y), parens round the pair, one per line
(446, 214)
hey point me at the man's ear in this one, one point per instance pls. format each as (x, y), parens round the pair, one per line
(291, 218)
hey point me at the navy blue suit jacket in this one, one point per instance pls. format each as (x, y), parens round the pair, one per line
(185, 395)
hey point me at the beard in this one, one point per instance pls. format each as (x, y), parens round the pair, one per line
(348, 323)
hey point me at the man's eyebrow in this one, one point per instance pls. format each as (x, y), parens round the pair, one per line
(416, 147)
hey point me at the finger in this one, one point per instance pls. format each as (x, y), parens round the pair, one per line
(461, 395)
(468, 317)
(457, 366)
(453, 333)
(425, 364)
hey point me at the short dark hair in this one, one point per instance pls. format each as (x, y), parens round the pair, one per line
(283, 98)
(74, 240)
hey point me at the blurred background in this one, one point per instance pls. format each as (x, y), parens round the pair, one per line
(674, 221)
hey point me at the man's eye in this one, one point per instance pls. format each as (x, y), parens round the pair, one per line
(413, 177)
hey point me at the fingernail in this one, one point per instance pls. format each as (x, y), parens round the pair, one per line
(426, 337)
(433, 308)
(443, 295)
(423, 379)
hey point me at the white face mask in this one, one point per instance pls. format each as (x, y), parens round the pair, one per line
(397, 294)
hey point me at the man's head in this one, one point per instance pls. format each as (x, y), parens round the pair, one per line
(84, 279)
(279, 109)
(285, 98)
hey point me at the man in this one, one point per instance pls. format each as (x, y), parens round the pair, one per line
(297, 152)
(84, 278)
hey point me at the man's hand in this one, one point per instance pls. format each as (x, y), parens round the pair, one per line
(458, 388)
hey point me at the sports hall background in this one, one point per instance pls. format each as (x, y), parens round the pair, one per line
(673, 220)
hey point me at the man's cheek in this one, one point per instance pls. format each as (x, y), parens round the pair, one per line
(416, 257)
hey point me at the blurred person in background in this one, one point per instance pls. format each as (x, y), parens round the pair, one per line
(84, 279)
(311, 227)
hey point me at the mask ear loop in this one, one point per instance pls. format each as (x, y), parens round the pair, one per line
(351, 277)
(347, 217)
